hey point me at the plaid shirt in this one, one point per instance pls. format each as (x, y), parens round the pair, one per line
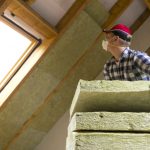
(132, 65)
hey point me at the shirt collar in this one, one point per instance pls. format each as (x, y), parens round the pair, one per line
(124, 54)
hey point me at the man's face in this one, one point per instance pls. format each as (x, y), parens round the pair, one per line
(113, 40)
(110, 38)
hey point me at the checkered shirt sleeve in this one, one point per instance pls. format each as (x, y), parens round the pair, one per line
(133, 65)
(142, 61)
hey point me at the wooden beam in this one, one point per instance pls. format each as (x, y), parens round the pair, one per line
(147, 2)
(3, 5)
(116, 12)
(110, 20)
(32, 18)
(140, 20)
(75, 9)
(148, 51)
(30, 2)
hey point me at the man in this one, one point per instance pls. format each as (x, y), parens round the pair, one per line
(126, 64)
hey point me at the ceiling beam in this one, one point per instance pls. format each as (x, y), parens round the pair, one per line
(140, 20)
(30, 2)
(74, 10)
(24, 12)
(3, 5)
(148, 51)
(147, 2)
(116, 12)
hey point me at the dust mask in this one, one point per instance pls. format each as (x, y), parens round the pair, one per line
(105, 45)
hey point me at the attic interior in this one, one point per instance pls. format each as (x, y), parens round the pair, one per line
(36, 100)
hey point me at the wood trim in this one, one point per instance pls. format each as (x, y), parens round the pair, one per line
(50, 36)
(31, 18)
(24, 56)
(30, 2)
(17, 66)
(13, 26)
(110, 20)
(140, 20)
(147, 2)
(116, 12)
(148, 51)
(23, 73)
(75, 9)
(3, 5)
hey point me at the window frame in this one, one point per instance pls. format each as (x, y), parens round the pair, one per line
(35, 42)
(38, 26)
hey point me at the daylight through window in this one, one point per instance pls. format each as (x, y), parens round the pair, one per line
(13, 48)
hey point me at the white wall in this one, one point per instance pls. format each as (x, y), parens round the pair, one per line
(52, 10)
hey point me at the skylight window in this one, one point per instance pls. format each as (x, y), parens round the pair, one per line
(15, 46)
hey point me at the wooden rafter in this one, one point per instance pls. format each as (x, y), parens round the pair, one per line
(29, 1)
(140, 20)
(116, 12)
(23, 11)
(147, 3)
(75, 9)
(3, 5)
(148, 51)
(121, 5)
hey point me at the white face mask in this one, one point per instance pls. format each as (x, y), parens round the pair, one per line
(105, 45)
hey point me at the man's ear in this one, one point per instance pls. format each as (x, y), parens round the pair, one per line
(116, 38)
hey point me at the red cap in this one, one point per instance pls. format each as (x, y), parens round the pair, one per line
(119, 27)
